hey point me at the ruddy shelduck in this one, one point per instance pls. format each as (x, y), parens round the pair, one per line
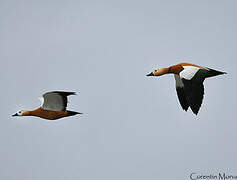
(53, 106)
(189, 80)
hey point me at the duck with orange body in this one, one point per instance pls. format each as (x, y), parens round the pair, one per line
(189, 80)
(53, 106)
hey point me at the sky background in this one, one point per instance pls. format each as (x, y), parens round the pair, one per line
(132, 126)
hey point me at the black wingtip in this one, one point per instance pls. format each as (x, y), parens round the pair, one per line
(185, 109)
(70, 93)
(195, 112)
(195, 109)
(65, 93)
(72, 113)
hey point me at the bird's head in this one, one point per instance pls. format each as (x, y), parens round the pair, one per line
(158, 72)
(21, 113)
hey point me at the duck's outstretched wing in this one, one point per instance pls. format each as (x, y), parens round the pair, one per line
(56, 100)
(192, 79)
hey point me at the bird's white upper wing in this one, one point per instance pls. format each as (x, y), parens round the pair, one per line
(188, 72)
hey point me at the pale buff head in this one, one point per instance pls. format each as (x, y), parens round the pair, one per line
(21, 113)
(159, 72)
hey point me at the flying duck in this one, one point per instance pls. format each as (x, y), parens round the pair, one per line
(189, 83)
(53, 106)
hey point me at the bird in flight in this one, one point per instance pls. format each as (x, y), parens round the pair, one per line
(189, 80)
(53, 106)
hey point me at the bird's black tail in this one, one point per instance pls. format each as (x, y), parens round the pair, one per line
(72, 113)
(213, 72)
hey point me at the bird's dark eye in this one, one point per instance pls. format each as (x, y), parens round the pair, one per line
(155, 70)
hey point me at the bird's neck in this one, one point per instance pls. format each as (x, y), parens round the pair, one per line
(32, 113)
(163, 71)
(26, 113)
(35, 112)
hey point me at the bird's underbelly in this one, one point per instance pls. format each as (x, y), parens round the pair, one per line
(48, 114)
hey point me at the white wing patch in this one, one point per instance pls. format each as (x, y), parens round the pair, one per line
(41, 100)
(178, 81)
(188, 72)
